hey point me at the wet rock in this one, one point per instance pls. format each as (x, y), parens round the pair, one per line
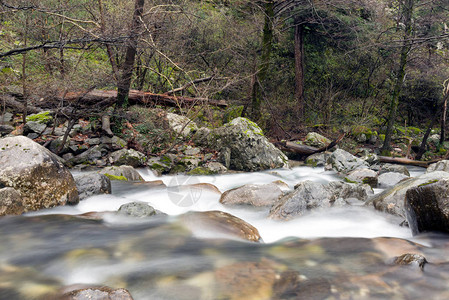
(362, 176)
(306, 196)
(93, 183)
(128, 157)
(11, 202)
(392, 200)
(98, 293)
(137, 210)
(317, 159)
(6, 129)
(427, 206)
(390, 179)
(36, 173)
(344, 162)
(410, 259)
(442, 165)
(345, 190)
(394, 168)
(127, 172)
(316, 140)
(181, 124)
(218, 224)
(252, 194)
(250, 149)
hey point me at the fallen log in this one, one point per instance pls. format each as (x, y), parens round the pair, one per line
(141, 97)
(11, 102)
(407, 161)
(307, 150)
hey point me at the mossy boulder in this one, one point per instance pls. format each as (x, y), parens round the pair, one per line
(44, 117)
(316, 140)
(128, 157)
(121, 173)
(181, 124)
(36, 173)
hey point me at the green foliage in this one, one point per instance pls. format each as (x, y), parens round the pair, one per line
(43, 117)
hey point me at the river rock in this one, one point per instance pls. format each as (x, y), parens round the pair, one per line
(252, 194)
(6, 129)
(410, 259)
(128, 157)
(181, 124)
(98, 293)
(36, 173)
(427, 206)
(345, 190)
(250, 149)
(390, 179)
(215, 167)
(363, 176)
(394, 168)
(317, 159)
(344, 162)
(316, 140)
(137, 209)
(11, 202)
(92, 183)
(127, 172)
(442, 165)
(392, 200)
(218, 224)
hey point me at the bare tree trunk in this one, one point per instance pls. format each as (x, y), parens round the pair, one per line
(109, 50)
(299, 69)
(124, 82)
(24, 75)
(407, 10)
(444, 113)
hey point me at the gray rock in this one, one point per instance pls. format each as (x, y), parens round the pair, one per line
(394, 168)
(215, 167)
(344, 162)
(126, 171)
(442, 165)
(32, 136)
(202, 136)
(68, 156)
(427, 206)
(252, 194)
(6, 117)
(129, 157)
(56, 143)
(137, 210)
(11, 202)
(224, 157)
(93, 183)
(113, 143)
(250, 149)
(361, 138)
(392, 200)
(316, 140)
(181, 124)
(317, 159)
(363, 176)
(93, 141)
(346, 191)
(36, 173)
(390, 179)
(161, 165)
(34, 127)
(97, 293)
(192, 151)
(6, 129)
(78, 148)
(90, 156)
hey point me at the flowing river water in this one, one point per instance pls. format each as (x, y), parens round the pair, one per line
(336, 253)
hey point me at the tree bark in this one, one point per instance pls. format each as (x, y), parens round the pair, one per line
(299, 69)
(407, 10)
(124, 82)
(444, 113)
(108, 46)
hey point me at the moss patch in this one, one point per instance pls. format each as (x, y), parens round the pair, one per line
(428, 182)
(114, 177)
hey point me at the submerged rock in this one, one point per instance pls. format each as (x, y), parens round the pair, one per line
(392, 200)
(427, 206)
(93, 183)
(98, 293)
(252, 194)
(137, 210)
(36, 173)
(411, 259)
(220, 224)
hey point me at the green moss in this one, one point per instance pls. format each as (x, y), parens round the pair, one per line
(200, 171)
(382, 137)
(427, 183)
(349, 180)
(43, 117)
(311, 162)
(115, 177)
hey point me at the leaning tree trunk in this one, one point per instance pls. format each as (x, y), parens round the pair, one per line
(299, 69)
(400, 75)
(267, 43)
(124, 82)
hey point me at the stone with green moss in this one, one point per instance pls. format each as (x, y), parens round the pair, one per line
(42, 117)
(115, 177)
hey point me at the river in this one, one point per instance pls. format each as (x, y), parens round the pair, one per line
(337, 253)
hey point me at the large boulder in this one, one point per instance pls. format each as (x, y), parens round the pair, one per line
(316, 140)
(427, 207)
(92, 183)
(392, 200)
(252, 194)
(385, 168)
(363, 176)
(310, 195)
(181, 124)
(249, 149)
(390, 179)
(11, 202)
(442, 165)
(128, 157)
(36, 173)
(121, 173)
(344, 162)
